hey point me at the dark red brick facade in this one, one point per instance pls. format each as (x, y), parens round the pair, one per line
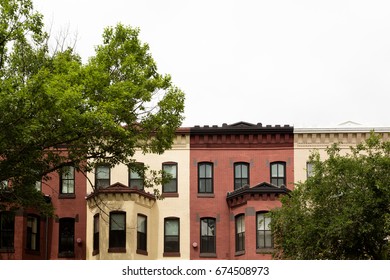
(224, 146)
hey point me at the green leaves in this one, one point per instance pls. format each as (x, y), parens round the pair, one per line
(55, 110)
(342, 211)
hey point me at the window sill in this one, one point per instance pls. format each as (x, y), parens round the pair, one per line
(171, 254)
(117, 250)
(170, 195)
(240, 253)
(206, 195)
(208, 255)
(66, 196)
(265, 251)
(95, 252)
(142, 252)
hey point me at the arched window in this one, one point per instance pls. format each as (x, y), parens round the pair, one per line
(205, 177)
(171, 236)
(117, 235)
(263, 231)
(170, 168)
(278, 173)
(241, 174)
(240, 232)
(207, 235)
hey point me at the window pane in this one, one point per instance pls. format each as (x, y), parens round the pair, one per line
(280, 170)
(238, 171)
(274, 170)
(244, 170)
(103, 172)
(207, 227)
(171, 227)
(170, 169)
(202, 170)
(67, 173)
(240, 224)
(117, 221)
(141, 224)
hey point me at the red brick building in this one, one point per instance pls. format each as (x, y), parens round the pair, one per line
(237, 173)
(27, 235)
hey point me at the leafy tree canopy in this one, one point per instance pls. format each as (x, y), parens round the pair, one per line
(342, 211)
(57, 111)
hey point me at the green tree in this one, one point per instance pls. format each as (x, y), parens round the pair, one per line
(342, 211)
(57, 111)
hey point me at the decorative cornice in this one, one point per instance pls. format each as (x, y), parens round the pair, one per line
(119, 188)
(242, 135)
(262, 191)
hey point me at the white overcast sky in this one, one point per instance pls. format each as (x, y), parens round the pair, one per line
(301, 62)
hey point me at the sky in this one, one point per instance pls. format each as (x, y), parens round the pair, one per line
(303, 63)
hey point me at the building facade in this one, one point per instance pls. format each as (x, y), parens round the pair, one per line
(237, 174)
(26, 234)
(125, 220)
(308, 140)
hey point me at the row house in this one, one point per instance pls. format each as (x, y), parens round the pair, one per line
(224, 180)
(308, 140)
(237, 174)
(26, 234)
(125, 220)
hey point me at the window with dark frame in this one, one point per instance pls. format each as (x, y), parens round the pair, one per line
(205, 177)
(171, 185)
(7, 230)
(240, 233)
(136, 175)
(67, 180)
(102, 176)
(263, 231)
(309, 169)
(241, 174)
(117, 235)
(96, 234)
(32, 242)
(207, 235)
(278, 173)
(141, 234)
(171, 235)
(66, 237)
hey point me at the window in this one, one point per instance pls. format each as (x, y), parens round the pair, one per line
(4, 185)
(309, 169)
(278, 173)
(207, 235)
(241, 174)
(66, 237)
(67, 180)
(171, 236)
(263, 230)
(240, 233)
(32, 242)
(171, 185)
(95, 234)
(102, 176)
(141, 234)
(136, 175)
(117, 238)
(205, 177)
(7, 230)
